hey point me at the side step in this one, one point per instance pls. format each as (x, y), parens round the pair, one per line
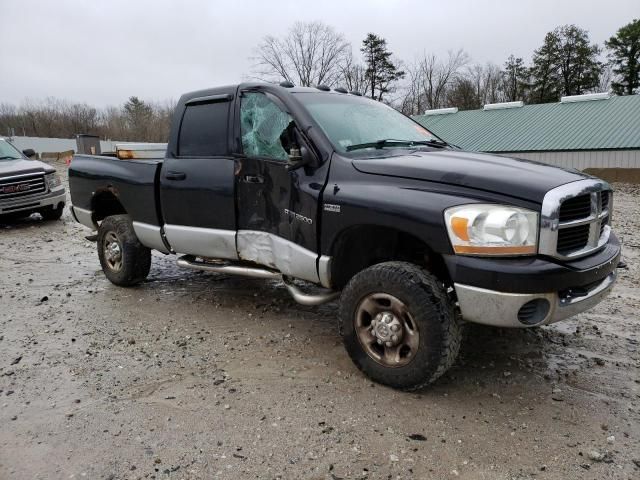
(255, 272)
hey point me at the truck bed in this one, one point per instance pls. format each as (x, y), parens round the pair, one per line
(134, 182)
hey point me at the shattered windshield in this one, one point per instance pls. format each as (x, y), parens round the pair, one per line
(350, 121)
(8, 151)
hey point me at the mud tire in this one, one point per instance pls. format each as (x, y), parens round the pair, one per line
(431, 308)
(135, 258)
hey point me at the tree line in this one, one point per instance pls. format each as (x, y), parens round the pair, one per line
(135, 120)
(567, 63)
(313, 53)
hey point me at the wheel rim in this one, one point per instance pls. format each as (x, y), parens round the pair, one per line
(386, 330)
(112, 250)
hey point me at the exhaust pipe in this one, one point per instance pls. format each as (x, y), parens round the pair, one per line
(253, 272)
(307, 299)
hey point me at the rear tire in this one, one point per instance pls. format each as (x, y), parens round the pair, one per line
(399, 325)
(51, 213)
(12, 217)
(124, 260)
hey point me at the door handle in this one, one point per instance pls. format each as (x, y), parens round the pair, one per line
(175, 176)
(253, 179)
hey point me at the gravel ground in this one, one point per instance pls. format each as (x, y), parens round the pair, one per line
(196, 375)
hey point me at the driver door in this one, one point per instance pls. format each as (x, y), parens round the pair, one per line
(276, 222)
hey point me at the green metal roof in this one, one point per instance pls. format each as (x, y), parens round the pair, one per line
(612, 123)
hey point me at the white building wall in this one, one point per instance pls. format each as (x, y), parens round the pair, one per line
(582, 160)
(42, 144)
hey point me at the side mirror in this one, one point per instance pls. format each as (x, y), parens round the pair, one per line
(299, 157)
(29, 153)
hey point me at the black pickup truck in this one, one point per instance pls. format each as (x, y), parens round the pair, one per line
(415, 236)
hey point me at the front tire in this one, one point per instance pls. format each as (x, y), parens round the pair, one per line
(399, 325)
(124, 260)
(51, 213)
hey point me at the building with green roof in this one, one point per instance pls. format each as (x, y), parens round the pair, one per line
(593, 131)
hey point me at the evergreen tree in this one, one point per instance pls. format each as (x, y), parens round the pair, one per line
(566, 64)
(624, 54)
(381, 72)
(544, 71)
(577, 60)
(138, 117)
(514, 78)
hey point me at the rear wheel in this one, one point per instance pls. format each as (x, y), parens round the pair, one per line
(399, 325)
(124, 260)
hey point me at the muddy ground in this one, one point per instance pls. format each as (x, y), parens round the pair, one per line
(195, 375)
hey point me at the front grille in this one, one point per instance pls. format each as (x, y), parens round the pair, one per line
(572, 239)
(604, 223)
(575, 208)
(604, 200)
(21, 186)
(574, 219)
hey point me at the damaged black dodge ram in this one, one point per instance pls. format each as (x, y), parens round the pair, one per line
(328, 187)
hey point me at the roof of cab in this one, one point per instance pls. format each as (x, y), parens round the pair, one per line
(231, 89)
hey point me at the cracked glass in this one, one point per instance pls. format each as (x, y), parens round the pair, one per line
(263, 127)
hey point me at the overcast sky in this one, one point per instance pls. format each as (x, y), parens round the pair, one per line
(102, 52)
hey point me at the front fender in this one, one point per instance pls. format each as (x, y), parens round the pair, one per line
(413, 206)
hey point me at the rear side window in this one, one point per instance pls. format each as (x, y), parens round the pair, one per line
(203, 132)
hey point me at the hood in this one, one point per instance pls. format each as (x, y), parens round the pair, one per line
(21, 166)
(519, 178)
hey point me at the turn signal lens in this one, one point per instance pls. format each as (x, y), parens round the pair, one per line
(460, 225)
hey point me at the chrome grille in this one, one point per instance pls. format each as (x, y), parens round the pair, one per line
(572, 239)
(575, 219)
(21, 186)
(575, 208)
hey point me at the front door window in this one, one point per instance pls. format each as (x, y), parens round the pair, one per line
(265, 128)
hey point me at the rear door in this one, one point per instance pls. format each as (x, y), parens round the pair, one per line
(197, 182)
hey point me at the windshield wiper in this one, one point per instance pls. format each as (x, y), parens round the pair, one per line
(7, 157)
(388, 142)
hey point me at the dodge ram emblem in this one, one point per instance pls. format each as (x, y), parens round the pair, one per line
(23, 187)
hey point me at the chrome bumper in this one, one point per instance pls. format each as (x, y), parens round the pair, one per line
(501, 309)
(49, 199)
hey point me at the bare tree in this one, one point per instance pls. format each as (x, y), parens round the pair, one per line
(311, 53)
(353, 75)
(429, 80)
(438, 74)
(488, 83)
(606, 78)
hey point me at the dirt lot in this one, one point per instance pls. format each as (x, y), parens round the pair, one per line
(195, 375)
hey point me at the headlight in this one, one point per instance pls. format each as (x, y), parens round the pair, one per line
(53, 180)
(480, 229)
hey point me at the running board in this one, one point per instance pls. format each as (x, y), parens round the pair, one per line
(254, 272)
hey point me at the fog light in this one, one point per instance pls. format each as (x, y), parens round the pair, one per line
(534, 311)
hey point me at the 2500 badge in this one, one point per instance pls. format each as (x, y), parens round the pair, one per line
(297, 216)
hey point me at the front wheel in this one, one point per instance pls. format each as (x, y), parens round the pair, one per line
(399, 326)
(124, 260)
(52, 213)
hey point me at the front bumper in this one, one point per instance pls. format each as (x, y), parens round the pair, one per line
(34, 203)
(502, 309)
(531, 292)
